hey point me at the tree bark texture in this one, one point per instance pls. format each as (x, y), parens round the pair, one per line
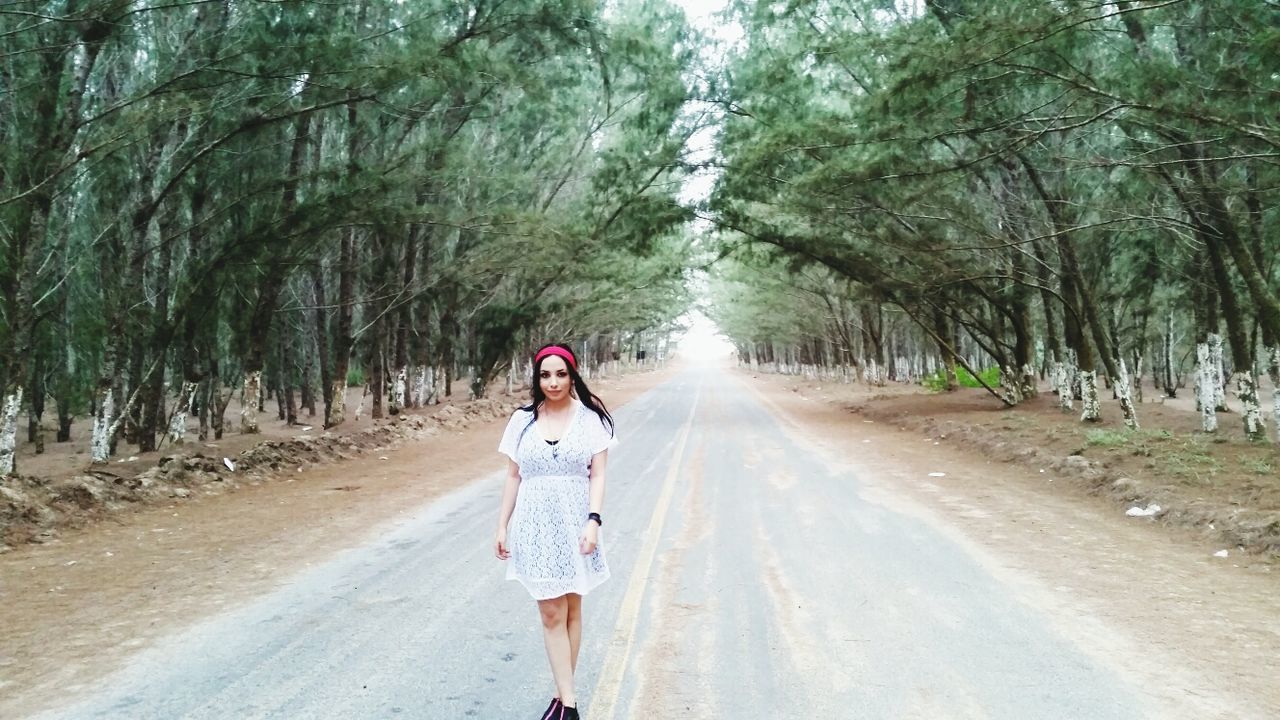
(1124, 394)
(1206, 382)
(249, 410)
(1089, 390)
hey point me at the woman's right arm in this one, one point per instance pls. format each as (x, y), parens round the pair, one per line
(508, 506)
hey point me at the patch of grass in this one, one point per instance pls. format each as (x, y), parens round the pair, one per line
(1191, 460)
(1146, 441)
(1106, 438)
(937, 382)
(1257, 467)
(1141, 442)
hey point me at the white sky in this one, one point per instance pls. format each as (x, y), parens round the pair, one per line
(703, 343)
(701, 15)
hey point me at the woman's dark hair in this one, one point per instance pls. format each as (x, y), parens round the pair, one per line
(585, 396)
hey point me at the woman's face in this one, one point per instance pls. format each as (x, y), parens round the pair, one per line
(554, 378)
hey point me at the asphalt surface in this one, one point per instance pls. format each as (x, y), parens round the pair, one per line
(751, 579)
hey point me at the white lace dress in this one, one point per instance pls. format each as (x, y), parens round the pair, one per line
(552, 504)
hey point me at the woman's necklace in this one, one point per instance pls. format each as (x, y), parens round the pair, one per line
(555, 444)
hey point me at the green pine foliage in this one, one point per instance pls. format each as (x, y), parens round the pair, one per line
(1010, 173)
(201, 190)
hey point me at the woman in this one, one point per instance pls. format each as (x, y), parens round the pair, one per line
(556, 448)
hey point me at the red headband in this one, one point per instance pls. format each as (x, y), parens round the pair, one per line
(557, 351)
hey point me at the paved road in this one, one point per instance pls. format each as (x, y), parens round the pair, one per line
(750, 581)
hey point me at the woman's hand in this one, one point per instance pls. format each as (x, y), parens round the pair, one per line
(590, 538)
(500, 549)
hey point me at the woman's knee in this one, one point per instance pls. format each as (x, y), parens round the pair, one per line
(555, 612)
(574, 607)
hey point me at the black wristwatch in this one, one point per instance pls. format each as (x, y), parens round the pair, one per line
(596, 517)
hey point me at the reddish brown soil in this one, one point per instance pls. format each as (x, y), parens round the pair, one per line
(1221, 486)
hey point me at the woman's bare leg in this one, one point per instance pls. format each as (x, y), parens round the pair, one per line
(555, 634)
(574, 625)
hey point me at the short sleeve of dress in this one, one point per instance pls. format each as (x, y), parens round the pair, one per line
(600, 436)
(511, 436)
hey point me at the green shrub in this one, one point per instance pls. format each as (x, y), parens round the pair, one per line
(990, 376)
(355, 376)
(937, 382)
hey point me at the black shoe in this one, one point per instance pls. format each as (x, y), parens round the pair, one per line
(570, 713)
(553, 710)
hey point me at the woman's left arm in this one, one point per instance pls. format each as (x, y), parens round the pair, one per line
(591, 533)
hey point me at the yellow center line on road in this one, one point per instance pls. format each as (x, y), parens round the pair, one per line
(604, 701)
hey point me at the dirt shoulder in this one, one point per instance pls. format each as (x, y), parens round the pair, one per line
(1221, 488)
(77, 606)
(1146, 596)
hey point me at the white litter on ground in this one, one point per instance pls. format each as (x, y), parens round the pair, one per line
(937, 474)
(230, 465)
(1221, 553)
(1147, 511)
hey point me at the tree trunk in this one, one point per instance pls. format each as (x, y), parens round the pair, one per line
(1123, 392)
(421, 392)
(285, 378)
(251, 402)
(322, 342)
(1073, 286)
(217, 401)
(1231, 312)
(9, 429)
(153, 399)
(1047, 301)
(1206, 380)
(64, 420)
(342, 340)
(1169, 382)
(400, 364)
(103, 420)
(1089, 397)
(35, 430)
(942, 329)
(254, 359)
(377, 379)
(206, 404)
(221, 402)
(178, 423)
(1266, 302)
(1246, 383)
(400, 394)
(306, 394)
(290, 407)
(63, 78)
(1273, 371)
(1062, 381)
(1137, 375)
(1218, 374)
